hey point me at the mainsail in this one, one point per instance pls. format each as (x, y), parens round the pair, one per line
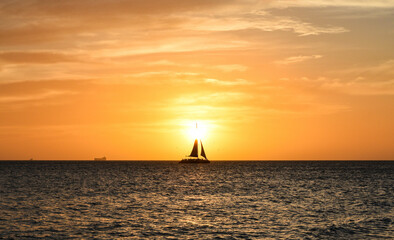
(203, 152)
(195, 149)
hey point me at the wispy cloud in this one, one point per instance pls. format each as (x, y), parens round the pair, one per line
(231, 68)
(162, 62)
(352, 86)
(33, 97)
(223, 68)
(266, 22)
(37, 57)
(297, 59)
(386, 67)
(333, 3)
(237, 82)
(212, 98)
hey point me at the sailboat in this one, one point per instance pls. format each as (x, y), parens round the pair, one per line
(194, 157)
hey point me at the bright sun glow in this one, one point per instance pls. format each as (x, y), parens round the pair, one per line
(198, 130)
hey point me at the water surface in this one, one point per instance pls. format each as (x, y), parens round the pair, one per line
(309, 200)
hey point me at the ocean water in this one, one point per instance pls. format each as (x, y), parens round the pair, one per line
(221, 200)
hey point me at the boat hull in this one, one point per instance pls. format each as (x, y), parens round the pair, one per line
(194, 160)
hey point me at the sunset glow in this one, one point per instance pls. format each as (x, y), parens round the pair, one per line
(264, 79)
(199, 131)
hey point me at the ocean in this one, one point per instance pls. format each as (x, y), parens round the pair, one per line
(221, 200)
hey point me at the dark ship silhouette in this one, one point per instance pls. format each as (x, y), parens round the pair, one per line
(194, 156)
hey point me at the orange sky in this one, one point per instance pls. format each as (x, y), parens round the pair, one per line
(286, 79)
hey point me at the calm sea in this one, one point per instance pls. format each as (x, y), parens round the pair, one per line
(230, 200)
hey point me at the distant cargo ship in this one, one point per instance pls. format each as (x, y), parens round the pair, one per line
(100, 159)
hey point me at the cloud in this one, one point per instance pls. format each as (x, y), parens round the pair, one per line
(221, 106)
(174, 43)
(352, 86)
(361, 87)
(237, 82)
(266, 22)
(231, 68)
(223, 68)
(375, 79)
(36, 57)
(297, 59)
(149, 74)
(33, 97)
(386, 67)
(333, 3)
(106, 8)
(162, 62)
(212, 98)
(160, 77)
(179, 25)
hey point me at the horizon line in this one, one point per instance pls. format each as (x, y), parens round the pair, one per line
(168, 160)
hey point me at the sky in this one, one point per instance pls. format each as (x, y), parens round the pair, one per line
(265, 80)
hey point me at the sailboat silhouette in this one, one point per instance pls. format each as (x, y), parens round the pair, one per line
(194, 157)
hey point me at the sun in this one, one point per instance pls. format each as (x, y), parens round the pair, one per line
(198, 130)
